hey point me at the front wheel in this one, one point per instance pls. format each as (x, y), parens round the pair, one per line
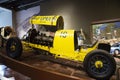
(99, 64)
(14, 47)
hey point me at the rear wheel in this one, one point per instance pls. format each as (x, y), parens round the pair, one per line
(99, 64)
(14, 47)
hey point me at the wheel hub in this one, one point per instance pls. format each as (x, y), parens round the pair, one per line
(12, 48)
(98, 64)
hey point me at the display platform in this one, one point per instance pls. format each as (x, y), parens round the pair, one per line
(41, 67)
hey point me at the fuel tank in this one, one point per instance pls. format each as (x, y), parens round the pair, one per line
(54, 21)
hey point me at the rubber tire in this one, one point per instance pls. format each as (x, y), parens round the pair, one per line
(18, 50)
(111, 67)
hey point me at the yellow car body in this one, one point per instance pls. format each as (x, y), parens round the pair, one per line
(64, 46)
(45, 20)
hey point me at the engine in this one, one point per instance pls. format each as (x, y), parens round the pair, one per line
(46, 37)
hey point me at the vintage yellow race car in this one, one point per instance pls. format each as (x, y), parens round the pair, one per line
(97, 61)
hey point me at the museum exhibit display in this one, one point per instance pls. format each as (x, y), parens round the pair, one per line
(61, 43)
(60, 40)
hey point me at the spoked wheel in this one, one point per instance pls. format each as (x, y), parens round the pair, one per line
(14, 47)
(99, 64)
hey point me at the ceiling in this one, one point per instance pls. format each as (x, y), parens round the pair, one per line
(19, 4)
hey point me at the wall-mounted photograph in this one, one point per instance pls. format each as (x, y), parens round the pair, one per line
(108, 33)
